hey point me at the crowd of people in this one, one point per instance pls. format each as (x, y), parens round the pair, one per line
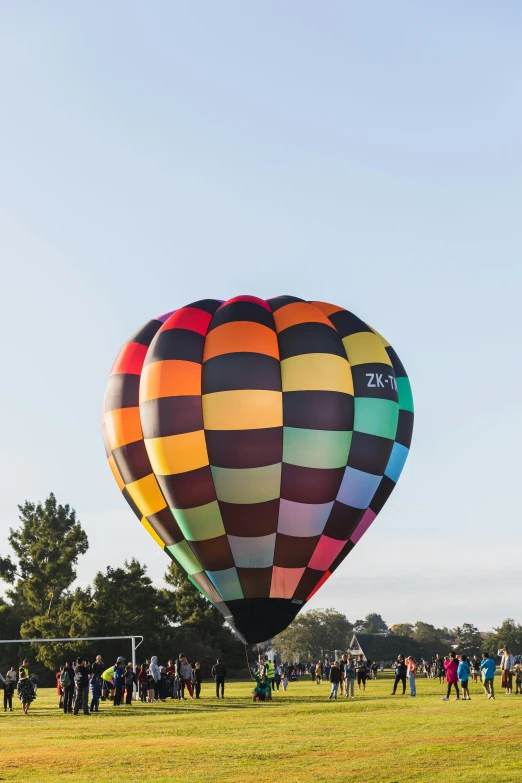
(82, 685)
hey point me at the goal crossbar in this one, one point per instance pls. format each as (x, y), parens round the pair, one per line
(81, 639)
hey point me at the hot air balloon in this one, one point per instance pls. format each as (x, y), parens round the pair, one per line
(257, 441)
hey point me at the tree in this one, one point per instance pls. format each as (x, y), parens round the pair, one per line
(313, 634)
(47, 546)
(467, 638)
(374, 623)
(509, 634)
(403, 629)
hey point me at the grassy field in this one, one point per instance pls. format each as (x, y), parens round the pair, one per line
(301, 736)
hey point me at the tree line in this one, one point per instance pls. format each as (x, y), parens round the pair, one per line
(320, 632)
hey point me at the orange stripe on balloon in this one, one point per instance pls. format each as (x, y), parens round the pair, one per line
(170, 378)
(239, 336)
(123, 427)
(299, 313)
(327, 309)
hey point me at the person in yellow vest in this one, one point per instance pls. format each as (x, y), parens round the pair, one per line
(270, 672)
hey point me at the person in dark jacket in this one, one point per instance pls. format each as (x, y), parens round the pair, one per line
(196, 679)
(98, 667)
(81, 686)
(400, 674)
(130, 682)
(9, 688)
(67, 683)
(162, 685)
(335, 679)
(219, 673)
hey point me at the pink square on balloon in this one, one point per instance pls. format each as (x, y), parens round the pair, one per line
(325, 553)
(363, 525)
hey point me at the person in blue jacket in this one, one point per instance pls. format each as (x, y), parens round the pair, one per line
(488, 667)
(119, 682)
(95, 689)
(463, 675)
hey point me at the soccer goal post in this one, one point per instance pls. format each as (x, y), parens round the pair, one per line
(82, 639)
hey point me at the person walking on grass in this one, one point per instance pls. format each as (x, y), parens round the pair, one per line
(335, 679)
(349, 677)
(219, 673)
(25, 690)
(488, 667)
(452, 677)
(400, 674)
(507, 670)
(463, 675)
(411, 668)
(318, 672)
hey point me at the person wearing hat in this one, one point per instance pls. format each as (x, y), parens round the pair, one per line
(25, 690)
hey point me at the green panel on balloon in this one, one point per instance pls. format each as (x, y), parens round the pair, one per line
(247, 485)
(376, 417)
(198, 524)
(316, 448)
(186, 557)
(405, 395)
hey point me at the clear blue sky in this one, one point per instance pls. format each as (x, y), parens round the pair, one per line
(363, 153)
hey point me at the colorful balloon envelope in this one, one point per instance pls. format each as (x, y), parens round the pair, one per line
(256, 441)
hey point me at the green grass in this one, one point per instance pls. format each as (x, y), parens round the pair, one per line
(301, 736)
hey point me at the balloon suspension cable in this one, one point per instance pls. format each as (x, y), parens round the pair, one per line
(248, 663)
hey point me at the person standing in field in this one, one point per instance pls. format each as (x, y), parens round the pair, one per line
(219, 673)
(67, 683)
(9, 687)
(374, 668)
(518, 678)
(488, 667)
(361, 670)
(342, 664)
(130, 682)
(475, 669)
(452, 678)
(439, 668)
(411, 668)
(507, 670)
(119, 683)
(25, 691)
(197, 678)
(463, 675)
(284, 679)
(400, 674)
(318, 672)
(335, 679)
(349, 677)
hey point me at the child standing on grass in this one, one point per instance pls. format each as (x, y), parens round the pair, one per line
(9, 687)
(335, 679)
(349, 675)
(463, 675)
(284, 679)
(452, 678)
(318, 672)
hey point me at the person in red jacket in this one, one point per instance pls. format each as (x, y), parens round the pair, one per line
(451, 665)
